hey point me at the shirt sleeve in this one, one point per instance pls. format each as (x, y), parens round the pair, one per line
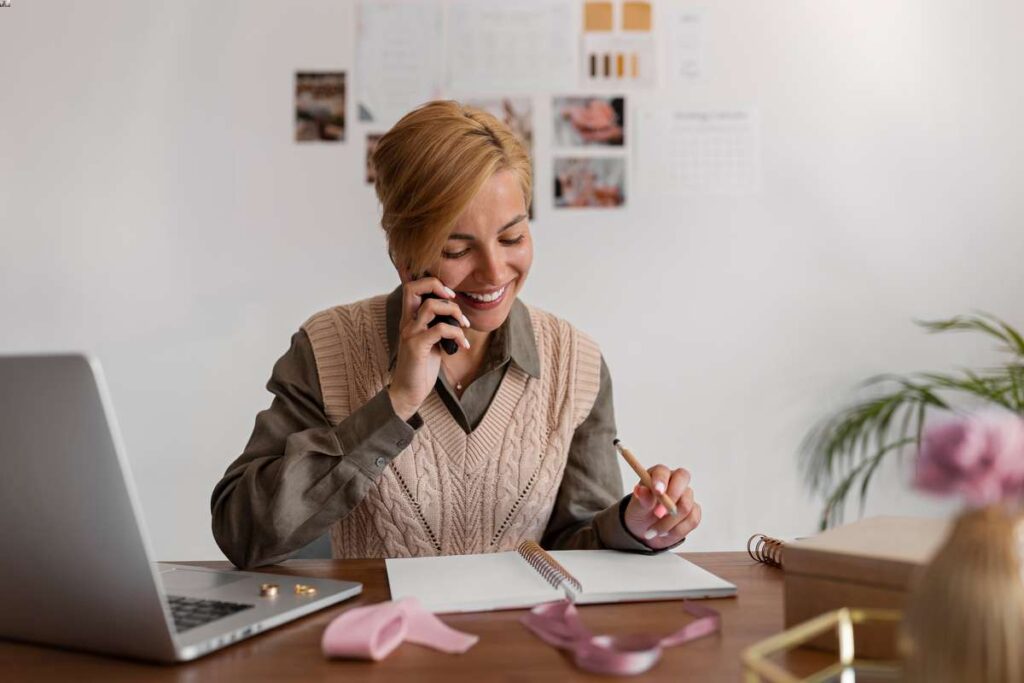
(299, 474)
(589, 507)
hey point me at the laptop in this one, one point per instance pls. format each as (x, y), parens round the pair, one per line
(77, 568)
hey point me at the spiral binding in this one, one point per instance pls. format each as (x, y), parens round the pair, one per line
(765, 549)
(547, 566)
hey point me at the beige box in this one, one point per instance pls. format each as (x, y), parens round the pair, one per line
(869, 563)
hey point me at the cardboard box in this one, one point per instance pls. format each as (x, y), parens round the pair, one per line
(869, 563)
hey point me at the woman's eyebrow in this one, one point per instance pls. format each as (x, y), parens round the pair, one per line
(470, 238)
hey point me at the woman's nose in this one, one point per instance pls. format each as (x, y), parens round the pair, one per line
(491, 267)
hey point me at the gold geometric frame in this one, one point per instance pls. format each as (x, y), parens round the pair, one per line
(759, 668)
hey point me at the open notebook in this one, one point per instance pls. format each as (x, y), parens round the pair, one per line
(524, 578)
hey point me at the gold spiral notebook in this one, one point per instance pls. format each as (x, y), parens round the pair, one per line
(530, 576)
(765, 549)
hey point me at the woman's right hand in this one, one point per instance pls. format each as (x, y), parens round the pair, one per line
(419, 354)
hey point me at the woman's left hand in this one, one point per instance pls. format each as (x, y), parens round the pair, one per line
(647, 519)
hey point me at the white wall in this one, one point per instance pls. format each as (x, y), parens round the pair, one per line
(154, 210)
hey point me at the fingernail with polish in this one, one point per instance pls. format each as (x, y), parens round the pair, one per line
(465, 342)
(465, 321)
(663, 534)
(450, 292)
(660, 487)
(651, 533)
(660, 511)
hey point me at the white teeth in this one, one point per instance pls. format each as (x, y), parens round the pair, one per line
(486, 298)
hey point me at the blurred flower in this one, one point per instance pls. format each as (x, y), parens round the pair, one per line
(980, 457)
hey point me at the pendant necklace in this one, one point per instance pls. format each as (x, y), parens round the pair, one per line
(458, 384)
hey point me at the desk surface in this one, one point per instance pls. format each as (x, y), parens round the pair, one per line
(506, 651)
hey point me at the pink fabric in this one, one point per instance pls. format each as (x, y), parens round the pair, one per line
(559, 624)
(372, 632)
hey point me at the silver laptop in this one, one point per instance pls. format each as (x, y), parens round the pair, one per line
(76, 568)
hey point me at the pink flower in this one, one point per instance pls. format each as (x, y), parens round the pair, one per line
(980, 457)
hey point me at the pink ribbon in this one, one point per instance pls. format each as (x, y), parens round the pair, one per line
(374, 631)
(559, 624)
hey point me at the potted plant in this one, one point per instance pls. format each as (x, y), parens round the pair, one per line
(842, 452)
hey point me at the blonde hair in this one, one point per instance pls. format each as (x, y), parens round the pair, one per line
(430, 165)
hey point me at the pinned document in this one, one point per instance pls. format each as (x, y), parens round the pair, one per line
(618, 52)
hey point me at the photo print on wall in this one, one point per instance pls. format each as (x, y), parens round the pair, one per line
(584, 121)
(319, 106)
(590, 182)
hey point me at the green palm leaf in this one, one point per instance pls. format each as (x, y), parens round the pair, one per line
(846, 449)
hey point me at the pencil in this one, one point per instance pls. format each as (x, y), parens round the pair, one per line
(645, 477)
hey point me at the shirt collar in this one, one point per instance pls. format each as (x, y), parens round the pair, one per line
(514, 340)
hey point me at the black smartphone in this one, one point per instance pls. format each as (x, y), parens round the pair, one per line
(449, 345)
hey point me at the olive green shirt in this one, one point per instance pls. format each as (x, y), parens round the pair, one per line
(299, 474)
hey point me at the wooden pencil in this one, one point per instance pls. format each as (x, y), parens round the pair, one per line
(645, 477)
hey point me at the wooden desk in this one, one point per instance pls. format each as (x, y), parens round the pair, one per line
(506, 651)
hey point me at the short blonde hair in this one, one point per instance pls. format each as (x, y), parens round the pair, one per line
(430, 165)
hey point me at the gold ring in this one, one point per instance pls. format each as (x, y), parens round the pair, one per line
(268, 590)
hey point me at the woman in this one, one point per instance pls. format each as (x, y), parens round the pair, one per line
(400, 449)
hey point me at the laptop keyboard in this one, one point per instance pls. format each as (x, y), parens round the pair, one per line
(192, 612)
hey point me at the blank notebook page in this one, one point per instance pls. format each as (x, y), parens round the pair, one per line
(469, 583)
(472, 583)
(608, 575)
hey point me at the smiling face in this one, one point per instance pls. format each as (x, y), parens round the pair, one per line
(489, 252)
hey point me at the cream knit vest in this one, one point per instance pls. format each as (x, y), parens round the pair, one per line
(450, 492)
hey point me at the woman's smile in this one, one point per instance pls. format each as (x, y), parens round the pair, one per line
(485, 300)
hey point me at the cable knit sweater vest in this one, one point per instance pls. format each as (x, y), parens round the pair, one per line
(450, 492)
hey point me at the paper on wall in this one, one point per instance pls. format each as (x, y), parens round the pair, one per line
(619, 54)
(508, 48)
(684, 31)
(398, 58)
(618, 60)
(697, 151)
